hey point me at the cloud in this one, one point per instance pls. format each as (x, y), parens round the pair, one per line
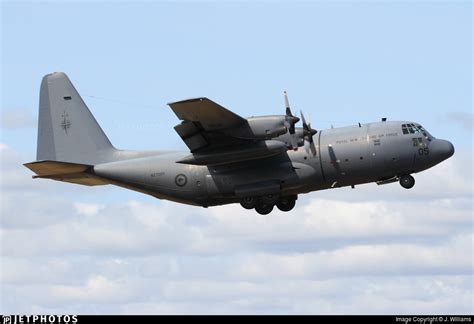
(358, 260)
(375, 249)
(97, 289)
(17, 118)
(88, 209)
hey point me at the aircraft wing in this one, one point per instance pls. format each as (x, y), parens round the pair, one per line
(204, 124)
(210, 115)
(208, 129)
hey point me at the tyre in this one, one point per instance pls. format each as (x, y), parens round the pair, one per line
(264, 209)
(286, 204)
(407, 181)
(249, 202)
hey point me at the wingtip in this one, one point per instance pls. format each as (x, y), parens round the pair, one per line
(187, 100)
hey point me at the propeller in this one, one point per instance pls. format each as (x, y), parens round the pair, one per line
(290, 121)
(308, 133)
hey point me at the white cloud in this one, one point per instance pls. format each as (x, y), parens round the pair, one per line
(453, 257)
(370, 250)
(87, 209)
(97, 289)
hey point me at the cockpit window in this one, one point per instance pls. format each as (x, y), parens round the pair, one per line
(414, 129)
(404, 129)
(423, 131)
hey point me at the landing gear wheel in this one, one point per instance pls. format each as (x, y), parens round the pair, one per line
(407, 181)
(249, 202)
(263, 208)
(270, 199)
(286, 204)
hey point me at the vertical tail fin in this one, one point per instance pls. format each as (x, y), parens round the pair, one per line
(67, 131)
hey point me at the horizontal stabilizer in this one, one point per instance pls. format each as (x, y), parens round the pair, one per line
(64, 171)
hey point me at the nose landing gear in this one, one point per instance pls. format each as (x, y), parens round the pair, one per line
(407, 181)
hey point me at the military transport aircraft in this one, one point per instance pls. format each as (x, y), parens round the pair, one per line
(259, 162)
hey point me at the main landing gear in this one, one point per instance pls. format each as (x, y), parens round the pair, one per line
(407, 181)
(286, 203)
(265, 204)
(264, 208)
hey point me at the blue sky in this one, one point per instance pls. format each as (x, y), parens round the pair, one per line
(341, 63)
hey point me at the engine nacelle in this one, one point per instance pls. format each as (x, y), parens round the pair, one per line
(261, 127)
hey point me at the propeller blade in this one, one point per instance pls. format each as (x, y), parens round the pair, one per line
(290, 125)
(309, 147)
(305, 126)
(312, 147)
(308, 134)
(311, 131)
(306, 146)
(294, 141)
(290, 119)
(292, 128)
(287, 103)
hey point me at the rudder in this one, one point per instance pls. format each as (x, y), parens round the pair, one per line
(67, 130)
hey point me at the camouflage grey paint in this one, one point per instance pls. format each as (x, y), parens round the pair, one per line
(374, 152)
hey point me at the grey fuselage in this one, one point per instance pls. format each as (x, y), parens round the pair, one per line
(373, 152)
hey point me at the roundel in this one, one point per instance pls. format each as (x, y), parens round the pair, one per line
(181, 180)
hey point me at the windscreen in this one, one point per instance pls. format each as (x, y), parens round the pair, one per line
(413, 128)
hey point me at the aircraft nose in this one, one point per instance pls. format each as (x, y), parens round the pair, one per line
(441, 149)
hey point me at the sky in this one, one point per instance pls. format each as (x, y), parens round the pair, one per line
(104, 250)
